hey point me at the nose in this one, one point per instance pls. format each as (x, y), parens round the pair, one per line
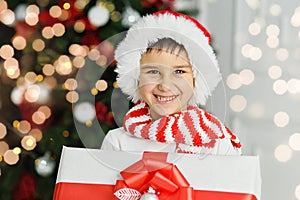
(165, 83)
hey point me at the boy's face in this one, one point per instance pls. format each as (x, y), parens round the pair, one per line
(166, 82)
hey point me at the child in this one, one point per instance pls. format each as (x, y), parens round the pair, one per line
(167, 66)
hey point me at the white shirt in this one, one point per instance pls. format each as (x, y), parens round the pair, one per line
(120, 140)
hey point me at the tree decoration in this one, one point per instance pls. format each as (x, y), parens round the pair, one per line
(44, 165)
(98, 15)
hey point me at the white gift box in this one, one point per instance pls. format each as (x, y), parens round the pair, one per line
(92, 174)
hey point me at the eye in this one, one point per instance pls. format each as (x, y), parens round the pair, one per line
(153, 71)
(179, 71)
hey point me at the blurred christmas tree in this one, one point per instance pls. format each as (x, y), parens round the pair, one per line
(51, 69)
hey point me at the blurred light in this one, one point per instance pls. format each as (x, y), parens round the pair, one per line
(233, 81)
(63, 65)
(253, 4)
(70, 84)
(64, 15)
(272, 30)
(246, 76)
(80, 4)
(297, 192)
(84, 111)
(254, 28)
(238, 103)
(6, 51)
(28, 142)
(20, 12)
(32, 93)
(67, 6)
(39, 78)
(37, 134)
(246, 50)
(282, 54)
(102, 61)
(261, 21)
(31, 19)
(78, 62)
(19, 42)
(46, 110)
(30, 77)
(16, 95)
(17, 150)
(256, 110)
(48, 69)
(115, 16)
(79, 26)
(274, 72)
(42, 3)
(38, 45)
(94, 54)
(280, 87)
(7, 17)
(293, 86)
(24, 127)
(275, 10)
(38, 117)
(72, 96)
(272, 42)
(50, 82)
(10, 157)
(281, 119)
(94, 91)
(55, 11)
(47, 32)
(3, 147)
(101, 85)
(66, 133)
(283, 153)
(3, 130)
(33, 9)
(294, 141)
(3, 6)
(115, 84)
(295, 19)
(11, 63)
(255, 53)
(58, 29)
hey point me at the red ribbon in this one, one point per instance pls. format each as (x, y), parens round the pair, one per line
(153, 171)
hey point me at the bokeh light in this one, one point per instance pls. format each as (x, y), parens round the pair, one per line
(3, 130)
(280, 87)
(28, 142)
(246, 76)
(10, 157)
(297, 191)
(275, 9)
(238, 103)
(283, 153)
(275, 72)
(233, 81)
(294, 141)
(101, 85)
(281, 119)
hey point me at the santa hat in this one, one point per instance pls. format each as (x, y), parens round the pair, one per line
(184, 30)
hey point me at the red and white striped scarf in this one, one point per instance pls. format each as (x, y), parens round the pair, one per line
(193, 127)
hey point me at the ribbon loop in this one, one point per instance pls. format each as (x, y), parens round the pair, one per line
(153, 171)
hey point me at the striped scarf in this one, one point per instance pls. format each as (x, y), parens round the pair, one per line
(193, 127)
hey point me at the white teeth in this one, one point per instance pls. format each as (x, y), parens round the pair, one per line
(165, 99)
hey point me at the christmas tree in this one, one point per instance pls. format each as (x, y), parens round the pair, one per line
(57, 84)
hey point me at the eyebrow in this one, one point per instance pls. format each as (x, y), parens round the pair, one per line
(152, 66)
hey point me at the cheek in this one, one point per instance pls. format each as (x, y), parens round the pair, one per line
(145, 89)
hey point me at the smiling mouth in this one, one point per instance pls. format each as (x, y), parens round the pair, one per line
(165, 99)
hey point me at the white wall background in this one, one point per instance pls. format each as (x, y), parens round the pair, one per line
(257, 101)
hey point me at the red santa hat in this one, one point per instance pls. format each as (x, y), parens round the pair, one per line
(184, 30)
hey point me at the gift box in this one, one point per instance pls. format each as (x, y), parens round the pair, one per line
(97, 174)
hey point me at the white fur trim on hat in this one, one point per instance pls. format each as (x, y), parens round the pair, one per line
(179, 28)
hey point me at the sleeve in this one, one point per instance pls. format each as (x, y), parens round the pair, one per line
(110, 143)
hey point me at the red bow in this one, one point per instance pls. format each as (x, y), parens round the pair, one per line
(153, 171)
